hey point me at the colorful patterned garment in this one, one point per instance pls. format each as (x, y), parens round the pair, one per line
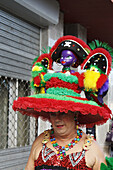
(48, 160)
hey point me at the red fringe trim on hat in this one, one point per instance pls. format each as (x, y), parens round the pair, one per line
(56, 82)
(81, 80)
(89, 114)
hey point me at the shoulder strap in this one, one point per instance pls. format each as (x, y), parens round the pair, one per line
(88, 142)
(46, 137)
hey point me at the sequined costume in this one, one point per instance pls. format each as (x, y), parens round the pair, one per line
(48, 160)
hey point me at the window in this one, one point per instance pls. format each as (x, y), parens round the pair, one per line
(16, 130)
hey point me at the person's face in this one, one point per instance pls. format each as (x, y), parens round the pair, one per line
(63, 123)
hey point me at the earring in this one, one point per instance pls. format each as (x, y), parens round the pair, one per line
(77, 125)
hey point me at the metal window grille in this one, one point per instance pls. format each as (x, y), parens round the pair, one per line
(16, 130)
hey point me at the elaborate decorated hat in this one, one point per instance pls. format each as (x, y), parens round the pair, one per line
(62, 94)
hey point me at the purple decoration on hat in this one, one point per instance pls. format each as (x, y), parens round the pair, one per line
(67, 58)
(103, 91)
(104, 88)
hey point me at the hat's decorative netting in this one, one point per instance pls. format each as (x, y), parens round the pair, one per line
(61, 91)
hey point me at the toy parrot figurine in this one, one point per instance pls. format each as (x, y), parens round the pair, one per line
(40, 67)
(94, 79)
(38, 72)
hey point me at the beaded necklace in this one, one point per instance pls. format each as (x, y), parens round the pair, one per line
(61, 150)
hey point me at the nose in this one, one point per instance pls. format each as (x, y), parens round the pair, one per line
(57, 118)
(63, 62)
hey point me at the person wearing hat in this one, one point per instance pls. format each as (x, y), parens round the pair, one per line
(65, 145)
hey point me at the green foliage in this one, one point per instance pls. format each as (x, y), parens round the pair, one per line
(109, 165)
(45, 50)
(98, 44)
(35, 60)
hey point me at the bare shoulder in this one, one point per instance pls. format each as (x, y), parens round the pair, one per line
(96, 156)
(95, 147)
(37, 145)
(38, 141)
(35, 151)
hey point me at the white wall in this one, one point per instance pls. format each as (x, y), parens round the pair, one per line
(103, 129)
(39, 12)
(48, 37)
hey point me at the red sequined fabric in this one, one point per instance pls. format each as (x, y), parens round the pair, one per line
(74, 161)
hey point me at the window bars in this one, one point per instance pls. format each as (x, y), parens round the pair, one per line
(16, 130)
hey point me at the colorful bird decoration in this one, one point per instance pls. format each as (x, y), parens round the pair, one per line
(94, 79)
(38, 72)
(40, 66)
